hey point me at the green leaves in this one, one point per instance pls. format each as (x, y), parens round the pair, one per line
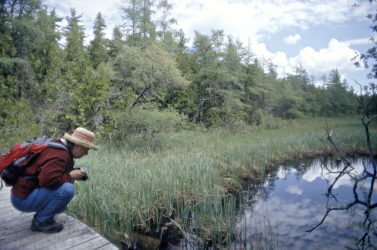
(150, 72)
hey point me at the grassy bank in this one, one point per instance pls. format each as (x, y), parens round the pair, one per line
(167, 177)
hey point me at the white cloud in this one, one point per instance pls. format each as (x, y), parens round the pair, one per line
(318, 171)
(295, 190)
(292, 39)
(361, 41)
(338, 55)
(246, 20)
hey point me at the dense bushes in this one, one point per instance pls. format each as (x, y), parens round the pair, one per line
(138, 127)
(16, 124)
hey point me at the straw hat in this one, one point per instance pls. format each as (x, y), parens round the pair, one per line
(83, 137)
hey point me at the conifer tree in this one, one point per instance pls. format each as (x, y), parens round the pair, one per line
(116, 43)
(98, 46)
(165, 22)
(140, 29)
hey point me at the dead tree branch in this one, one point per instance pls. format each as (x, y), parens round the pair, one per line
(369, 172)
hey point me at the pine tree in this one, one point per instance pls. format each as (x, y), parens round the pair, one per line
(98, 46)
(140, 29)
(165, 23)
(116, 43)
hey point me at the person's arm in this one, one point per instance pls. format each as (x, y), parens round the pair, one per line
(52, 169)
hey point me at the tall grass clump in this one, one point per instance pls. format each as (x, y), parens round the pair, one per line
(128, 192)
(188, 181)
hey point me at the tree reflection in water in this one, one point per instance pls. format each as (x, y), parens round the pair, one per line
(363, 189)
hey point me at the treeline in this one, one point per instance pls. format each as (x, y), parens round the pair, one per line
(50, 81)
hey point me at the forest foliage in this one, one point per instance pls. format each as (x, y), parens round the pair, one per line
(51, 81)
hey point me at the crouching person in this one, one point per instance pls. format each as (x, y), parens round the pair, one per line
(47, 187)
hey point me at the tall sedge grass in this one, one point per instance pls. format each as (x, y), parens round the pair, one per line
(186, 177)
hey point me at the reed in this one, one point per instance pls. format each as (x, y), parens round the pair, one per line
(186, 177)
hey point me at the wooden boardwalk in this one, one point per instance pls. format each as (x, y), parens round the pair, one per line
(15, 233)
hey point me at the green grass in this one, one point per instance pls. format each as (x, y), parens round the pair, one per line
(150, 180)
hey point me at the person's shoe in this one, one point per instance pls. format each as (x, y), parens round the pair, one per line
(46, 227)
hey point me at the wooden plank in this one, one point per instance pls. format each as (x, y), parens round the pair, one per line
(72, 241)
(73, 233)
(6, 208)
(27, 239)
(97, 242)
(15, 222)
(4, 198)
(15, 231)
(6, 204)
(4, 193)
(10, 215)
(106, 247)
(14, 236)
(18, 226)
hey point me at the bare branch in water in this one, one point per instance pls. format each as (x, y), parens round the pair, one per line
(368, 117)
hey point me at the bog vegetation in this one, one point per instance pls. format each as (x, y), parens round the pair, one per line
(195, 179)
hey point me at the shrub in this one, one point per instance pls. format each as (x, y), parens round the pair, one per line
(140, 125)
(17, 124)
(268, 121)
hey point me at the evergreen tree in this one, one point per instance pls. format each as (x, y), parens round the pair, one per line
(98, 46)
(214, 86)
(337, 99)
(116, 44)
(138, 24)
(74, 49)
(148, 28)
(47, 57)
(132, 18)
(78, 79)
(183, 57)
(165, 22)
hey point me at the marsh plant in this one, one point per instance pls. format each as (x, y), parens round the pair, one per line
(188, 183)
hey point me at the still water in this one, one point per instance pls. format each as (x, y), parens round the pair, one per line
(293, 200)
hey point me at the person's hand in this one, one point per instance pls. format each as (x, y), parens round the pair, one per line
(77, 174)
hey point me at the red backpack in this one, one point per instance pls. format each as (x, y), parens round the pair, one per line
(13, 162)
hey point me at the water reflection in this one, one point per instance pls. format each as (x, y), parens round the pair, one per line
(293, 200)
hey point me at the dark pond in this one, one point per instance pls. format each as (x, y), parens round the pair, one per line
(293, 201)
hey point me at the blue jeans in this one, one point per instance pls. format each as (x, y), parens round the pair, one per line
(45, 202)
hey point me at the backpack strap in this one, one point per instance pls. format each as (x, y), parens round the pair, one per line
(71, 161)
(57, 145)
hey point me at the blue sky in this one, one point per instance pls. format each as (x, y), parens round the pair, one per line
(319, 35)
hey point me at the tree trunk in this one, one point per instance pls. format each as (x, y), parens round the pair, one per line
(147, 87)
